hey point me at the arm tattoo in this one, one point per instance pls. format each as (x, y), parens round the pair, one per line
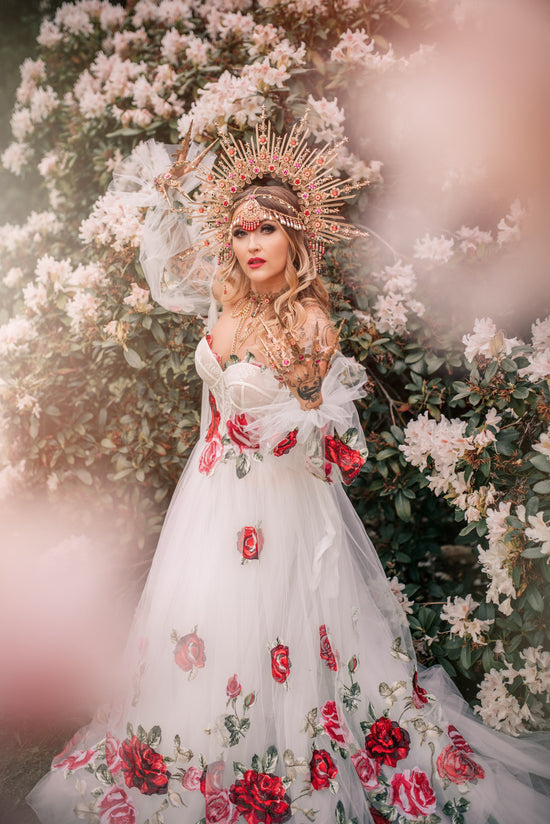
(310, 391)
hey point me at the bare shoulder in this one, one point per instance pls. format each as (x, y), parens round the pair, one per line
(317, 322)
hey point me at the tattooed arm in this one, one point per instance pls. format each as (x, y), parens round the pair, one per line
(303, 361)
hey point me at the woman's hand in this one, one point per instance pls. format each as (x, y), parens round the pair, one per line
(302, 372)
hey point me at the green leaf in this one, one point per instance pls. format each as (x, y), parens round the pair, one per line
(541, 462)
(542, 487)
(402, 506)
(534, 598)
(466, 657)
(154, 737)
(133, 358)
(242, 465)
(84, 476)
(269, 760)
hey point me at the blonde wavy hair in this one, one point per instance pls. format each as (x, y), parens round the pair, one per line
(305, 287)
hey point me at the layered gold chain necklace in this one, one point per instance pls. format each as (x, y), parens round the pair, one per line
(249, 313)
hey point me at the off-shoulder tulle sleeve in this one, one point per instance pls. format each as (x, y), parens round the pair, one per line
(332, 435)
(179, 284)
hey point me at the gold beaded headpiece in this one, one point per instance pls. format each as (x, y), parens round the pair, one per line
(288, 159)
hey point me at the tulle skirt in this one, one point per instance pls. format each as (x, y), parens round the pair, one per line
(270, 677)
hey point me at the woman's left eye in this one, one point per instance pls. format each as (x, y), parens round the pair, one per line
(268, 228)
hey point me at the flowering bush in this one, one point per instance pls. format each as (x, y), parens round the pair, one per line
(99, 387)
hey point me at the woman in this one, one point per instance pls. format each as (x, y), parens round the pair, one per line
(272, 673)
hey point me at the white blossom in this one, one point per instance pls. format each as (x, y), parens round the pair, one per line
(82, 308)
(540, 334)
(13, 277)
(138, 299)
(539, 533)
(439, 249)
(27, 403)
(16, 157)
(542, 445)
(327, 119)
(498, 707)
(50, 35)
(536, 671)
(16, 334)
(110, 223)
(509, 227)
(457, 613)
(471, 239)
(398, 590)
(487, 341)
(494, 563)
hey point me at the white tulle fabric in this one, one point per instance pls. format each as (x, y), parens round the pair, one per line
(167, 233)
(316, 571)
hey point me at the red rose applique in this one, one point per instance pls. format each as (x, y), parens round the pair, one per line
(260, 797)
(144, 768)
(377, 816)
(189, 653)
(286, 444)
(238, 430)
(367, 769)
(115, 808)
(233, 688)
(457, 766)
(412, 793)
(387, 742)
(211, 454)
(250, 541)
(76, 760)
(220, 809)
(326, 651)
(332, 725)
(113, 754)
(191, 779)
(322, 769)
(280, 662)
(348, 460)
(419, 693)
(459, 742)
(215, 418)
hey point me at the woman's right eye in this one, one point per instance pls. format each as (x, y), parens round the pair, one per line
(238, 233)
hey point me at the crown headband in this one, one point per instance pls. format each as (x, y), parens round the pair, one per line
(267, 156)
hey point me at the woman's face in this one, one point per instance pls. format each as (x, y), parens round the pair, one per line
(262, 255)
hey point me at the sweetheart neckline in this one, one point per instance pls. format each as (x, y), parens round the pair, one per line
(228, 364)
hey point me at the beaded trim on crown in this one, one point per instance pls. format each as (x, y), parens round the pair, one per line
(289, 159)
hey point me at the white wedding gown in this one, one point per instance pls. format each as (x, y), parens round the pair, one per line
(271, 674)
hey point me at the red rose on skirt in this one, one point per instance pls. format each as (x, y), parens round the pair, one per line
(367, 769)
(189, 652)
(322, 769)
(260, 797)
(387, 742)
(286, 444)
(377, 816)
(459, 742)
(75, 761)
(220, 809)
(113, 754)
(280, 663)
(144, 768)
(192, 778)
(412, 793)
(212, 778)
(215, 418)
(250, 542)
(336, 729)
(458, 766)
(238, 431)
(419, 693)
(348, 460)
(233, 688)
(326, 650)
(115, 808)
(210, 455)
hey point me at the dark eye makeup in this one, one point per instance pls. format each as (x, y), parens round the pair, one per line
(265, 228)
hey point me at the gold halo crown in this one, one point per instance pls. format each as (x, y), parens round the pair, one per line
(267, 156)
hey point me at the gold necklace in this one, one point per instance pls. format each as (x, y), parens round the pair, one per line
(249, 316)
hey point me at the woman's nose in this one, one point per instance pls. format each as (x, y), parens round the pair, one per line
(254, 239)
